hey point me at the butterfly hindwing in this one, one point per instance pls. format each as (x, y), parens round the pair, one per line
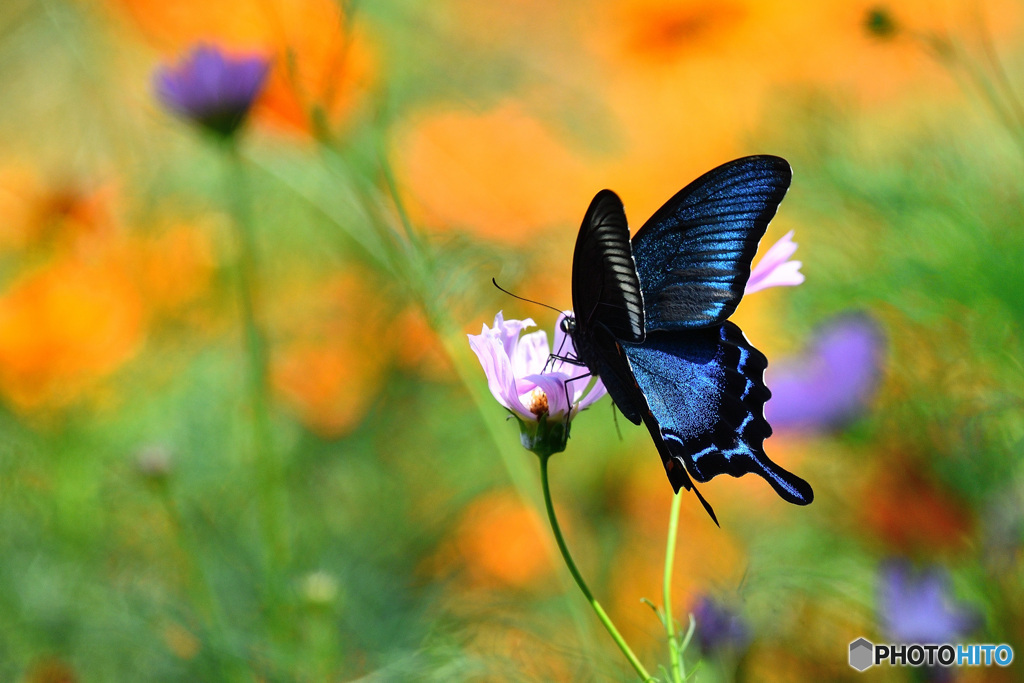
(693, 255)
(705, 393)
(605, 285)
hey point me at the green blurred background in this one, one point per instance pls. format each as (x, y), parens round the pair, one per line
(381, 524)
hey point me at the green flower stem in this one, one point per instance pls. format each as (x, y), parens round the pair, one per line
(601, 614)
(214, 614)
(388, 174)
(267, 463)
(675, 654)
(512, 455)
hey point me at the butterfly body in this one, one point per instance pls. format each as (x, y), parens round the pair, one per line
(651, 320)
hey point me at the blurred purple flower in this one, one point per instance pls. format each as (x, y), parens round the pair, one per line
(212, 89)
(915, 606)
(834, 379)
(774, 269)
(523, 381)
(718, 627)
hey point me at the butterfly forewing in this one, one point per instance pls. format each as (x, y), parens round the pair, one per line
(605, 286)
(693, 255)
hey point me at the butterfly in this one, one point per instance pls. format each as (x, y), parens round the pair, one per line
(650, 318)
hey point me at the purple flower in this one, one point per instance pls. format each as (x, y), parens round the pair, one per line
(212, 89)
(831, 383)
(531, 388)
(718, 627)
(915, 606)
(774, 269)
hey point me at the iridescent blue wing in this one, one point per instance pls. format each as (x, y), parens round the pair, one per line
(693, 255)
(705, 392)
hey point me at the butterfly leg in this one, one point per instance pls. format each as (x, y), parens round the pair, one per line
(615, 419)
(571, 360)
(568, 398)
(565, 385)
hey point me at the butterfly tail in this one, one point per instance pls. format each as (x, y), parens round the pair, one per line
(790, 487)
(707, 507)
(674, 468)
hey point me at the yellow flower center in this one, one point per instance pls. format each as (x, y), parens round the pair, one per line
(536, 402)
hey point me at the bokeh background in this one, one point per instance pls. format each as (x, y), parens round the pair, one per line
(380, 522)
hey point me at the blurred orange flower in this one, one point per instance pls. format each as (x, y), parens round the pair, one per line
(65, 326)
(646, 499)
(743, 44)
(332, 351)
(501, 541)
(322, 60)
(684, 85)
(418, 347)
(40, 211)
(500, 174)
(174, 266)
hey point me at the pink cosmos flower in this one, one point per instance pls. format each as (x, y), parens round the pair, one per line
(522, 379)
(774, 269)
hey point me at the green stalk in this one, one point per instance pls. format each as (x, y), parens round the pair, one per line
(266, 460)
(214, 614)
(675, 654)
(601, 614)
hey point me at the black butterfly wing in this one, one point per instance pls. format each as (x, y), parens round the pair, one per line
(693, 255)
(607, 302)
(606, 358)
(705, 395)
(605, 285)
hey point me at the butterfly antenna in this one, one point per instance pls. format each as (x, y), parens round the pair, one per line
(529, 301)
(615, 419)
(707, 506)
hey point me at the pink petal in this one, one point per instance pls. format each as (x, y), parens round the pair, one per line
(487, 350)
(596, 391)
(498, 369)
(508, 331)
(513, 362)
(786, 275)
(531, 353)
(774, 269)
